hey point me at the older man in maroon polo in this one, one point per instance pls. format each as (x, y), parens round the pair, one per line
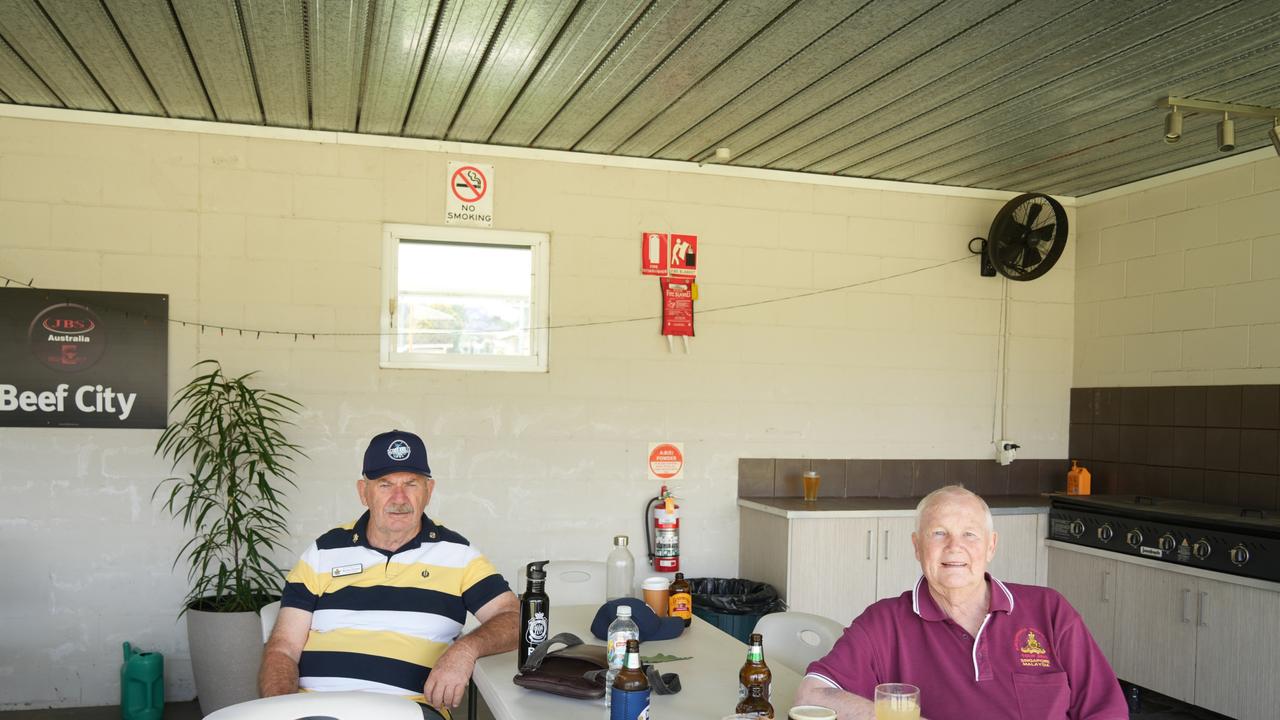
(975, 646)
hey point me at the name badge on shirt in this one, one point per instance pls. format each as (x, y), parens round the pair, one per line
(345, 570)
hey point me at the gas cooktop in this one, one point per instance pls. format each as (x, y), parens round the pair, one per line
(1238, 541)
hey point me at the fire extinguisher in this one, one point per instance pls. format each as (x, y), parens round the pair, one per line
(664, 550)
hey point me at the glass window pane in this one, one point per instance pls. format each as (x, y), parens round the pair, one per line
(463, 299)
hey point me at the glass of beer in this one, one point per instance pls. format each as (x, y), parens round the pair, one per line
(897, 701)
(811, 481)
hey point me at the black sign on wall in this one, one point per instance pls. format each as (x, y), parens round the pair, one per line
(71, 358)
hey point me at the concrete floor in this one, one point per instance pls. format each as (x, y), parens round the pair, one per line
(172, 711)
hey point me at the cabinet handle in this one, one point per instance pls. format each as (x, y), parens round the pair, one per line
(1106, 586)
(868, 544)
(1186, 606)
(1202, 610)
(886, 544)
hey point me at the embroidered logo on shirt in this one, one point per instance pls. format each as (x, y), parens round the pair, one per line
(1030, 645)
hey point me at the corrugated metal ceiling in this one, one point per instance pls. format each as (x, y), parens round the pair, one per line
(1049, 95)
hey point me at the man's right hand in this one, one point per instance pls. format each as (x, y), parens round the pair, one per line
(279, 673)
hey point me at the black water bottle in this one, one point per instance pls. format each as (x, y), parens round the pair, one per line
(535, 611)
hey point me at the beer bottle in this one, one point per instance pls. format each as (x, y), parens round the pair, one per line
(681, 601)
(754, 683)
(629, 696)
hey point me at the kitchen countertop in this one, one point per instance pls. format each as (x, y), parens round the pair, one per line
(793, 507)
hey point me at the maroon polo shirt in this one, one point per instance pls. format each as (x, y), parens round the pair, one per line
(1033, 658)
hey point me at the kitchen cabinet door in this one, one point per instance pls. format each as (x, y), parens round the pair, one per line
(1016, 549)
(833, 567)
(1155, 635)
(897, 570)
(1089, 584)
(1237, 659)
(764, 548)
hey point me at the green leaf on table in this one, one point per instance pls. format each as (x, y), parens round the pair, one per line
(661, 657)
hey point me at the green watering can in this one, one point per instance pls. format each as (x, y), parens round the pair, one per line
(141, 685)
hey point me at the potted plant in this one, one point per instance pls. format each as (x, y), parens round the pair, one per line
(230, 435)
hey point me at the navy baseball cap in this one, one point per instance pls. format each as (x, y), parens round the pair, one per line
(651, 626)
(395, 451)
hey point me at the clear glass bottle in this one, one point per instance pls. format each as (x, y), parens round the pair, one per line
(620, 574)
(622, 629)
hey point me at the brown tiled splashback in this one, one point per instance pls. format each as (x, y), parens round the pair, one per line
(780, 477)
(1217, 444)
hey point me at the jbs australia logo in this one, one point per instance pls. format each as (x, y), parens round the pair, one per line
(399, 450)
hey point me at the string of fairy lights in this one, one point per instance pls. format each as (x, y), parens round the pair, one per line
(297, 334)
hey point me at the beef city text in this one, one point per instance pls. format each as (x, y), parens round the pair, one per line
(88, 398)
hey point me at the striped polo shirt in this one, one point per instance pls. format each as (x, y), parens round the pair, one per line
(381, 619)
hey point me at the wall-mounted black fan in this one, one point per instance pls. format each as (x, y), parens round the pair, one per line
(1026, 238)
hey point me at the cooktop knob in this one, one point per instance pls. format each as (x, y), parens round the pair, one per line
(1134, 538)
(1239, 555)
(1167, 542)
(1201, 549)
(1105, 533)
(1077, 528)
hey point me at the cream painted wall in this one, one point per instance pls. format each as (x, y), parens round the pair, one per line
(285, 234)
(1179, 284)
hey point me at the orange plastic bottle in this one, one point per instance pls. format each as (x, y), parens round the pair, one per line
(1078, 480)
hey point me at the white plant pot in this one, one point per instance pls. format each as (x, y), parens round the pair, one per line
(226, 652)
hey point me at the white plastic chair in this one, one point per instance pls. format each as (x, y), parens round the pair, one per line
(576, 582)
(339, 705)
(268, 615)
(796, 639)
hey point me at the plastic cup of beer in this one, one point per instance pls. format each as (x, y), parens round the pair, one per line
(811, 482)
(811, 712)
(897, 701)
(657, 595)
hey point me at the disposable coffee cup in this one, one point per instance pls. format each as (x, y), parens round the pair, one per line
(657, 594)
(811, 712)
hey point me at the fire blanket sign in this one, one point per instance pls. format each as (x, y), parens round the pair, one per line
(469, 200)
(666, 461)
(71, 358)
(684, 255)
(677, 307)
(653, 254)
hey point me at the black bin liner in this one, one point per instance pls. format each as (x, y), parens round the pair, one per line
(735, 596)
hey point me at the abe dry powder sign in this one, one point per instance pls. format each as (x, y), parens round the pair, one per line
(666, 461)
(83, 359)
(469, 199)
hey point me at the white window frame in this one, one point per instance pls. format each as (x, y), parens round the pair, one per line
(539, 302)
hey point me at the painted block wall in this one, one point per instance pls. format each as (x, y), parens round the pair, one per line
(1179, 283)
(285, 234)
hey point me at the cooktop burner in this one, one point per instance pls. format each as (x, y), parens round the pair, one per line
(1239, 541)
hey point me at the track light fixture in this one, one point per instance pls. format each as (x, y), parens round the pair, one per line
(1226, 126)
(1173, 126)
(1226, 134)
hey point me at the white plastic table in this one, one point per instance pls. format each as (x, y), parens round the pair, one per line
(709, 680)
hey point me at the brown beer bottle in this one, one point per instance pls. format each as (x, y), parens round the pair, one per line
(681, 601)
(629, 698)
(754, 682)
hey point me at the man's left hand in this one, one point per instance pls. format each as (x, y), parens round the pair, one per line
(449, 676)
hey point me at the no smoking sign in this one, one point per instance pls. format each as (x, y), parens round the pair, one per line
(469, 198)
